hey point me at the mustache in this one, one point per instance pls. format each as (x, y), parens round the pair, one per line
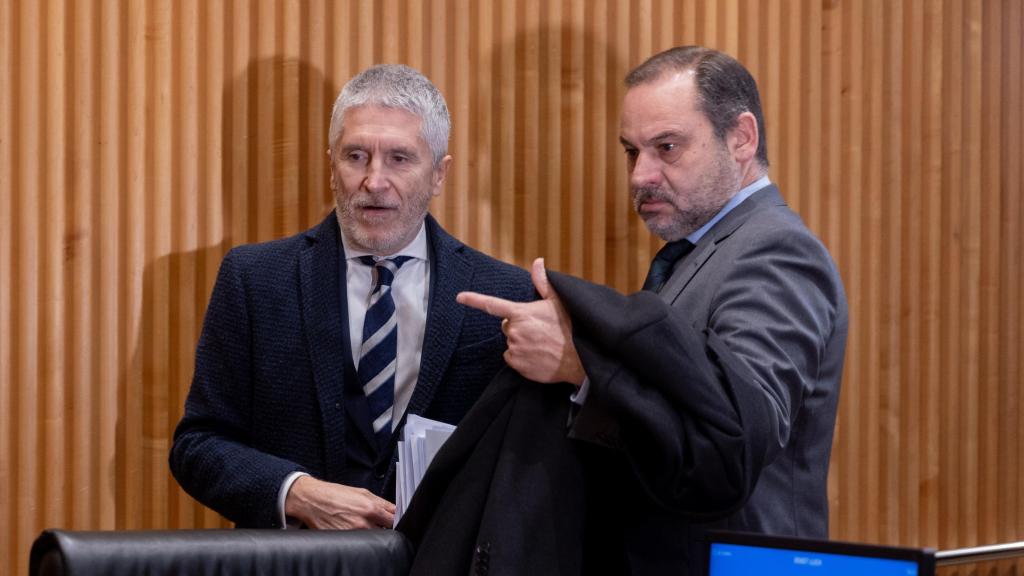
(649, 193)
(370, 200)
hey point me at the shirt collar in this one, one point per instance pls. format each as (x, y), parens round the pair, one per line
(416, 249)
(739, 197)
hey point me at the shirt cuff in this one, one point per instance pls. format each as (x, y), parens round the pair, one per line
(580, 395)
(282, 495)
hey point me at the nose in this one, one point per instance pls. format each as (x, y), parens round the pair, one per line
(646, 171)
(375, 179)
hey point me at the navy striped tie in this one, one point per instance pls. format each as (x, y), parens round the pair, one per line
(378, 356)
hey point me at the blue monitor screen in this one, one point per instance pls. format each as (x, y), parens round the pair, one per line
(739, 560)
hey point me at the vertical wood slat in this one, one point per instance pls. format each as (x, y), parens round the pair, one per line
(1011, 493)
(52, 220)
(911, 419)
(831, 62)
(871, 285)
(845, 519)
(970, 365)
(154, 337)
(931, 273)
(893, 252)
(952, 449)
(25, 320)
(139, 141)
(8, 214)
(989, 62)
(107, 331)
(79, 240)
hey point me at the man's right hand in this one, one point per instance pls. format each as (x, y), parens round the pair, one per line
(323, 505)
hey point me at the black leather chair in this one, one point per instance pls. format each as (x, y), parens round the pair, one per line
(210, 552)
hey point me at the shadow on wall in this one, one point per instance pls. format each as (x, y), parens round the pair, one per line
(274, 175)
(543, 135)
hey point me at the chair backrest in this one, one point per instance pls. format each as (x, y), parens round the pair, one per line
(209, 552)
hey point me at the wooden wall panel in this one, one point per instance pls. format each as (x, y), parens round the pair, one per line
(8, 541)
(141, 140)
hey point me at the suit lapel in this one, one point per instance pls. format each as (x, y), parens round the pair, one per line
(321, 267)
(706, 247)
(450, 274)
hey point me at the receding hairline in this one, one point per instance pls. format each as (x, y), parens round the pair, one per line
(684, 78)
(663, 74)
(674, 60)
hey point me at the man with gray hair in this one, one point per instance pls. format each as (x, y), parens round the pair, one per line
(316, 347)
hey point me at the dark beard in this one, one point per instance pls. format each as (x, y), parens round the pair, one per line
(684, 222)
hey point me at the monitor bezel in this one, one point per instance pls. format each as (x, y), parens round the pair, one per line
(923, 557)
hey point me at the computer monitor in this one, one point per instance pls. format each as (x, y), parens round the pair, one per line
(743, 554)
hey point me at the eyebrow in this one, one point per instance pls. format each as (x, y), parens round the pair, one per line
(659, 137)
(410, 152)
(668, 135)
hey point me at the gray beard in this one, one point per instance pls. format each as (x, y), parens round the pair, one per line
(394, 240)
(683, 222)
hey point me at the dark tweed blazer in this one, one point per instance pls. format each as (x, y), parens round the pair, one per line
(274, 389)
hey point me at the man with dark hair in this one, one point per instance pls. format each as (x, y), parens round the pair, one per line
(709, 398)
(316, 347)
(725, 89)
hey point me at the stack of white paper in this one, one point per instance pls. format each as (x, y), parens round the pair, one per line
(421, 440)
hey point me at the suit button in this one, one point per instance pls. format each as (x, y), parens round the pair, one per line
(337, 405)
(380, 475)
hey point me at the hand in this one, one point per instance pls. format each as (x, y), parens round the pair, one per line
(324, 505)
(539, 333)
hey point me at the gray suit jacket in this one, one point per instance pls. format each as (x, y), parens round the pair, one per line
(762, 316)
(711, 404)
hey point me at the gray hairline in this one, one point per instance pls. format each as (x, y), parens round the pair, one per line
(401, 88)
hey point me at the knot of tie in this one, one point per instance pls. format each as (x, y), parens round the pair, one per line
(385, 269)
(664, 261)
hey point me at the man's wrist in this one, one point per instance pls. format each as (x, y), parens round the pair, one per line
(581, 376)
(285, 506)
(578, 374)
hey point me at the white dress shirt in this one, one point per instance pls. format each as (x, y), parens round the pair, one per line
(411, 291)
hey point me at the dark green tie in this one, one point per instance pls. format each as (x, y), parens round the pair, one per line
(664, 261)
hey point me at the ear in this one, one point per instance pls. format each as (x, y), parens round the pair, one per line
(440, 173)
(330, 166)
(744, 138)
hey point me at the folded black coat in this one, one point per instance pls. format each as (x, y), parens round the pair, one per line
(515, 490)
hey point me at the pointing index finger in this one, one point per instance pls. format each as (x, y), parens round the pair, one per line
(492, 305)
